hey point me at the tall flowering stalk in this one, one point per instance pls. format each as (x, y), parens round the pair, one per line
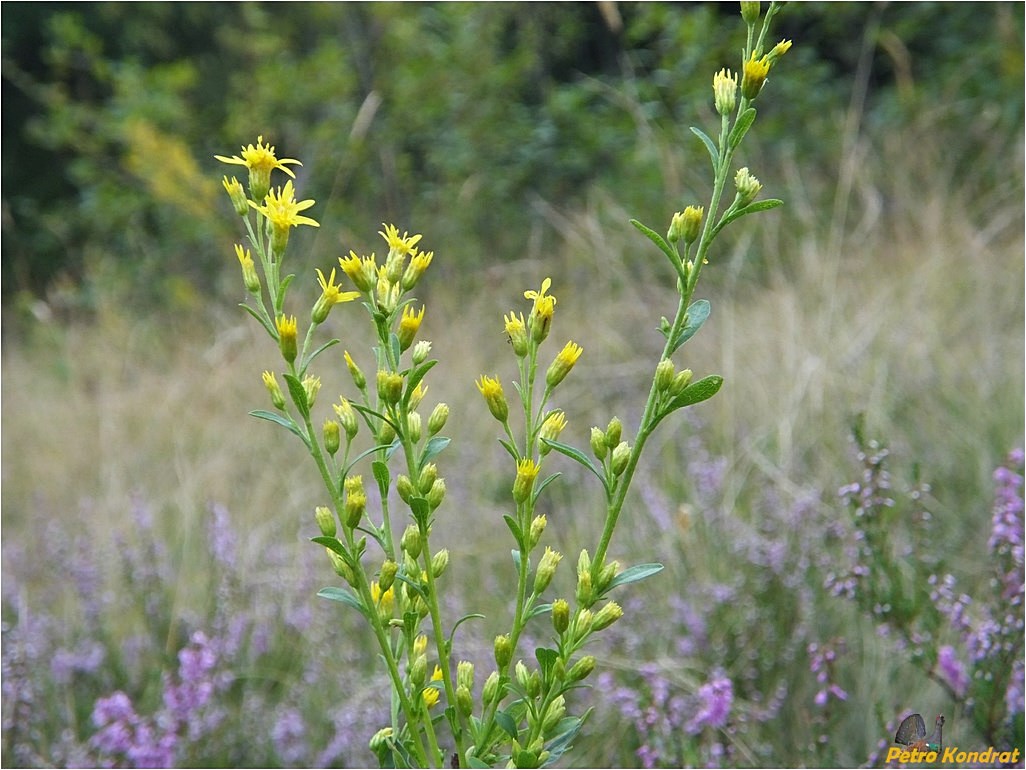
(391, 571)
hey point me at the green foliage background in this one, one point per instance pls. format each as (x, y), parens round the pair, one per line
(465, 119)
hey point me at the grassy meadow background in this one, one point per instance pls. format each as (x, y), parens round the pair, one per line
(146, 515)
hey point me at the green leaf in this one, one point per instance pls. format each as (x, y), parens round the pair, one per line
(391, 450)
(751, 208)
(546, 660)
(463, 619)
(415, 377)
(505, 721)
(475, 762)
(741, 125)
(393, 343)
(659, 241)
(298, 393)
(364, 453)
(517, 556)
(319, 350)
(698, 312)
(696, 392)
(538, 489)
(381, 474)
(283, 287)
(263, 321)
(421, 511)
(514, 527)
(510, 448)
(285, 422)
(334, 544)
(714, 154)
(634, 574)
(540, 609)
(433, 448)
(579, 456)
(337, 594)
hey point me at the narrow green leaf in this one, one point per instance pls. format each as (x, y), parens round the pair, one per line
(751, 208)
(279, 301)
(698, 312)
(538, 489)
(381, 474)
(263, 321)
(540, 609)
(505, 721)
(393, 343)
(517, 556)
(285, 422)
(464, 619)
(298, 393)
(634, 574)
(414, 584)
(659, 241)
(696, 392)
(337, 594)
(477, 763)
(433, 448)
(510, 448)
(392, 448)
(334, 544)
(514, 527)
(579, 456)
(415, 377)
(714, 154)
(741, 125)
(365, 453)
(321, 349)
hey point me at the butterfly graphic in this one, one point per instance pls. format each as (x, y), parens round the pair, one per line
(912, 733)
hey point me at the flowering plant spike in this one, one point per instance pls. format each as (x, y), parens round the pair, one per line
(388, 567)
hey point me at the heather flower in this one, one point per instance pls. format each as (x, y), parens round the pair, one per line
(715, 699)
(952, 670)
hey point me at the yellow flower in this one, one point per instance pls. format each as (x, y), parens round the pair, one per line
(754, 76)
(724, 91)
(403, 244)
(260, 161)
(436, 675)
(361, 270)
(517, 331)
(357, 374)
(527, 471)
(237, 195)
(271, 383)
(282, 210)
(287, 332)
(430, 696)
(491, 389)
(550, 429)
(541, 314)
(249, 273)
(420, 262)
(331, 295)
(409, 325)
(563, 363)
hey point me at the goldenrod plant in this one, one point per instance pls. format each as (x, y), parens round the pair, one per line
(443, 712)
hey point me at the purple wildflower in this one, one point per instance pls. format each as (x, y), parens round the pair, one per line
(952, 670)
(715, 699)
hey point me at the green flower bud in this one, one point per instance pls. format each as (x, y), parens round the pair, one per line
(465, 674)
(724, 92)
(347, 417)
(436, 494)
(581, 669)
(237, 196)
(437, 419)
(503, 651)
(311, 386)
(428, 474)
(356, 500)
(585, 594)
(332, 436)
(413, 426)
(582, 624)
(325, 521)
(277, 397)
(411, 541)
(750, 11)
(550, 429)
(386, 433)
(535, 533)
(607, 574)
(606, 616)
(404, 487)
(692, 223)
(439, 562)
(621, 455)
(546, 569)
(680, 381)
(387, 575)
(390, 387)
(560, 615)
(418, 671)
(339, 565)
(664, 374)
(613, 431)
(598, 443)
(534, 684)
(747, 186)
(381, 740)
(464, 700)
(420, 352)
(523, 676)
(490, 693)
(555, 712)
(355, 372)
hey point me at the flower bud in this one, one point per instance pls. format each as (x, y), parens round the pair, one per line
(491, 389)
(386, 433)
(621, 455)
(325, 521)
(747, 186)
(546, 569)
(607, 574)
(420, 352)
(527, 471)
(680, 381)
(386, 577)
(311, 386)
(749, 11)
(582, 624)
(534, 684)
(250, 279)
(676, 227)
(581, 669)
(347, 417)
(535, 533)
(550, 430)
(613, 431)
(664, 374)
(355, 372)
(390, 386)
(503, 649)
(725, 91)
(428, 474)
(418, 264)
(562, 364)
(606, 616)
(560, 615)
(417, 395)
(517, 331)
(555, 712)
(404, 487)
(411, 541)
(692, 223)
(439, 562)
(409, 325)
(598, 443)
(418, 671)
(420, 645)
(490, 692)
(753, 76)
(381, 740)
(436, 493)
(340, 566)
(585, 595)
(413, 426)
(778, 50)
(437, 419)
(332, 436)
(523, 676)
(464, 701)
(277, 397)
(361, 272)
(287, 331)
(356, 500)
(237, 195)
